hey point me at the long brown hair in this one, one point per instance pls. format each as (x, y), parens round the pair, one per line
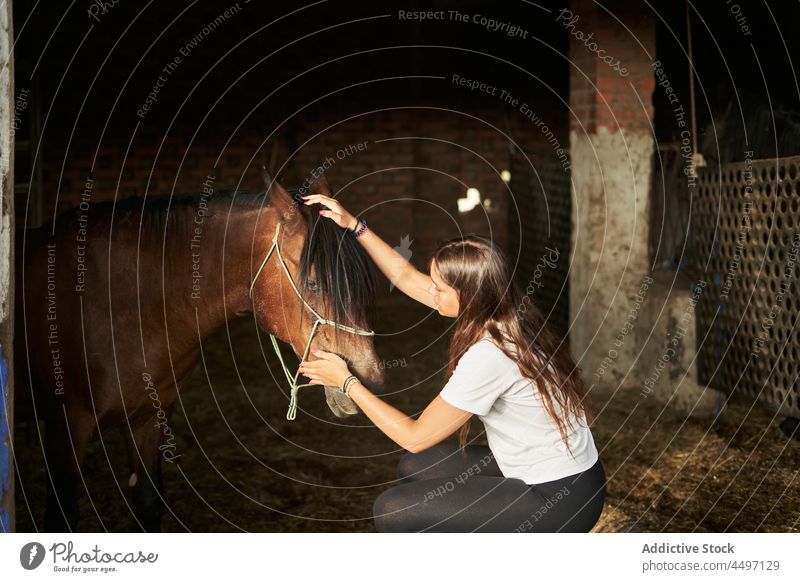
(491, 300)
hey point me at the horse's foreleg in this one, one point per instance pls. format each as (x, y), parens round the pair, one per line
(64, 449)
(149, 443)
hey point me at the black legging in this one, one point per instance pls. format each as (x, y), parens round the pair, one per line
(442, 492)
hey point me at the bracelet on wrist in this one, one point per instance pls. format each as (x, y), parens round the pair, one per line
(350, 385)
(346, 383)
(362, 229)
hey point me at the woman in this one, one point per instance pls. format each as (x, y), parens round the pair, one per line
(541, 471)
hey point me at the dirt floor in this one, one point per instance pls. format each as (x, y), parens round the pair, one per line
(244, 467)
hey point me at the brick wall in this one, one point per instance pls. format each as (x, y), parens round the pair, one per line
(406, 178)
(615, 94)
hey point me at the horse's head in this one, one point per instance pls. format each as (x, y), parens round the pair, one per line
(332, 273)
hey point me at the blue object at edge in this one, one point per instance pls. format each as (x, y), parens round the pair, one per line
(5, 449)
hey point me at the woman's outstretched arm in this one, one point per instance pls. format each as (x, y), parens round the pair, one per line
(398, 269)
(437, 422)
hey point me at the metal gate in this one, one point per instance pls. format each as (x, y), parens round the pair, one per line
(744, 241)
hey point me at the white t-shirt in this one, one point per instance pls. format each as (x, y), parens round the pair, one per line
(521, 434)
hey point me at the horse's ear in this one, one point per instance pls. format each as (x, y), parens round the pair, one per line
(279, 198)
(267, 177)
(320, 186)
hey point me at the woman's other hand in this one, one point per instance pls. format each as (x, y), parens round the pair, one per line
(328, 370)
(335, 211)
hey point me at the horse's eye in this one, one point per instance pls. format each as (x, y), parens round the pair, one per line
(312, 285)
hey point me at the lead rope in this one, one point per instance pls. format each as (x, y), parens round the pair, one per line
(293, 385)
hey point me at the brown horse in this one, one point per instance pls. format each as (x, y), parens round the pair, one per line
(114, 301)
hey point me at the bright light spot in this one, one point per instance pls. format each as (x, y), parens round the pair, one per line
(487, 202)
(464, 205)
(471, 201)
(505, 176)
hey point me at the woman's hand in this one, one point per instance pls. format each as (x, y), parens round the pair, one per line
(329, 370)
(335, 212)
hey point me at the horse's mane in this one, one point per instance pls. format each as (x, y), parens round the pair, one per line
(344, 272)
(165, 212)
(158, 214)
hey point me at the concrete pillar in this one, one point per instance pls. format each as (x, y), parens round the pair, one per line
(611, 141)
(6, 272)
(667, 342)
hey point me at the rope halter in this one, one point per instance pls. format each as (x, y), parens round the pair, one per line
(294, 386)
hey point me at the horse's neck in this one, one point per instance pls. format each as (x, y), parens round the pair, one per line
(221, 251)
